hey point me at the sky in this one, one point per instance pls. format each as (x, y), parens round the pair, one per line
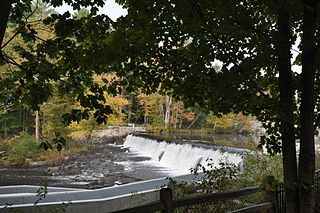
(111, 8)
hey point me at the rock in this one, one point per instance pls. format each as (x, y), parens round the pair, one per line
(38, 163)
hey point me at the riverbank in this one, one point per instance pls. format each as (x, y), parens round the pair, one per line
(91, 169)
(104, 163)
(97, 164)
(24, 150)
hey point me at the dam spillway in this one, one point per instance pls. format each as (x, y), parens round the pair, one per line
(181, 157)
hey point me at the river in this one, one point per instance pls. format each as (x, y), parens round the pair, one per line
(105, 165)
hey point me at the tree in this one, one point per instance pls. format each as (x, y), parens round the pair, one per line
(172, 46)
(83, 12)
(5, 11)
(50, 116)
(117, 104)
(40, 69)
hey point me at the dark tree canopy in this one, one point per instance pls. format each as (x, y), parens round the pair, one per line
(171, 47)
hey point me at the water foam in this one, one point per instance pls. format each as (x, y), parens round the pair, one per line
(181, 157)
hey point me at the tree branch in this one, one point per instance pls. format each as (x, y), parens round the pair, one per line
(5, 7)
(19, 30)
(10, 60)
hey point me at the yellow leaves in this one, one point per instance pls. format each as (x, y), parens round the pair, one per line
(233, 122)
(109, 77)
(149, 103)
(117, 104)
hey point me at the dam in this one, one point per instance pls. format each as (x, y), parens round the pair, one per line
(176, 158)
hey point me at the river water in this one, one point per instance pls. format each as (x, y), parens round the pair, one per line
(105, 165)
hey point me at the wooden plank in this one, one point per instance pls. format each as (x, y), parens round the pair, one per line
(264, 207)
(194, 200)
(215, 197)
(166, 200)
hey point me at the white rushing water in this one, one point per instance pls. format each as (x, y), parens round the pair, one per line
(181, 157)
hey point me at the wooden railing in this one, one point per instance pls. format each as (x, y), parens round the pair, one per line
(167, 204)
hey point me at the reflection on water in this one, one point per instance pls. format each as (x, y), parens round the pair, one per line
(232, 140)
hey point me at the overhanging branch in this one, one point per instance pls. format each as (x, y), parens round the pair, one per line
(5, 7)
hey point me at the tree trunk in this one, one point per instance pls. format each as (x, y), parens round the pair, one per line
(145, 118)
(307, 150)
(194, 121)
(37, 126)
(175, 120)
(161, 112)
(5, 6)
(167, 112)
(286, 109)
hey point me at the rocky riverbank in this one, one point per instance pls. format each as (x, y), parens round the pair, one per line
(102, 165)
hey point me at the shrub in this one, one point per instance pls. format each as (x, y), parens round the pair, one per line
(25, 146)
(256, 166)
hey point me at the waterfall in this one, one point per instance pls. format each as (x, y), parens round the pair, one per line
(182, 156)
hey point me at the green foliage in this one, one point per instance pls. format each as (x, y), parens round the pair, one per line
(224, 177)
(43, 189)
(51, 116)
(215, 179)
(36, 72)
(20, 147)
(45, 145)
(15, 118)
(83, 130)
(23, 149)
(8, 122)
(171, 47)
(257, 166)
(158, 46)
(26, 146)
(59, 143)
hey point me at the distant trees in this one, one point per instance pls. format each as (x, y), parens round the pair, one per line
(233, 123)
(171, 46)
(164, 110)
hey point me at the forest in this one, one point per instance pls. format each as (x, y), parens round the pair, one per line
(157, 111)
(157, 66)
